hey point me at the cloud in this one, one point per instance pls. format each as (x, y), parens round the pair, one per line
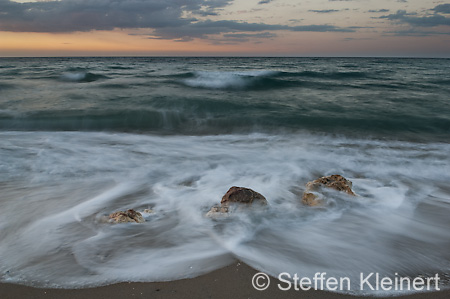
(348, 39)
(82, 15)
(421, 21)
(208, 27)
(166, 18)
(250, 35)
(379, 10)
(414, 32)
(323, 10)
(264, 1)
(79, 15)
(246, 37)
(442, 8)
(320, 28)
(360, 27)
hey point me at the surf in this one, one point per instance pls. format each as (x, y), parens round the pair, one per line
(72, 179)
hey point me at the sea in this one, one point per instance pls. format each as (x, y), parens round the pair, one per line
(81, 138)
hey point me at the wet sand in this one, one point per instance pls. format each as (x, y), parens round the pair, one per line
(233, 281)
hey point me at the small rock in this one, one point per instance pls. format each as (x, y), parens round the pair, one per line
(127, 216)
(311, 199)
(218, 211)
(336, 182)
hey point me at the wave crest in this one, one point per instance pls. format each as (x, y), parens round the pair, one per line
(83, 77)
(226, 80)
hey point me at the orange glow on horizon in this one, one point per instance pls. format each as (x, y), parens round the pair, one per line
(117, 42)
(122, 43)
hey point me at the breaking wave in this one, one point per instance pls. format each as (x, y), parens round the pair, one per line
(82, 77)
(228, 80)
(263, 79)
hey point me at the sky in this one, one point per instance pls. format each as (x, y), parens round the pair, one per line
(405, 28)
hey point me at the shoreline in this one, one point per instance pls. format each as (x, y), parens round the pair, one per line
(233, 281)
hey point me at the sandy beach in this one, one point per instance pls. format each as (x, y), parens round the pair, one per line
(233, 281)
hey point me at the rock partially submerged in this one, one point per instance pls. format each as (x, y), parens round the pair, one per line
(218, 211)
(236, 197)
(311, 199)
(242, 195)
(336, 182)
(127, 216)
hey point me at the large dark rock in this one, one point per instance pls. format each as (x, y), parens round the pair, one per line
(236, 198)
(243, 195)
(336, 182)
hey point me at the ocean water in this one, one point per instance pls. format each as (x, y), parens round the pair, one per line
(83, 137)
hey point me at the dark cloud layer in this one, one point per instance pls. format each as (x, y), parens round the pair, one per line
(420, 21)
(168, 18)
(442, 8)
(201, 29)
(413, 32)
(379, 10)
(164, 17)
(79, 15)
(246, 37)
(86, 15)
(264, 1)
(323, 10)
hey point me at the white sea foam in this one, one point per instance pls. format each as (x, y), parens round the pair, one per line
(74, 76)
(57, 186)
(220, 80)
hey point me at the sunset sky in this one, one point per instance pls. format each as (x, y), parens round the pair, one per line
(225, 27)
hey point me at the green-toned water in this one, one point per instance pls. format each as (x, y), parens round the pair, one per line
(84, 137)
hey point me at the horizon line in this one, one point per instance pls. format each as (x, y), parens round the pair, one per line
(230, 56)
